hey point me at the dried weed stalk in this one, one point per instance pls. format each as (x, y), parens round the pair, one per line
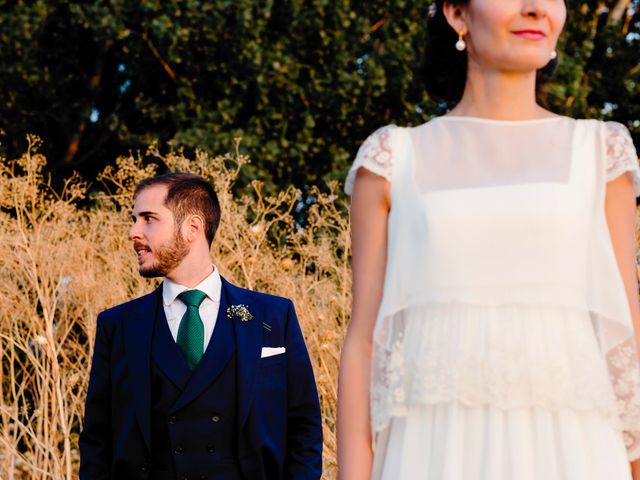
(61, 264)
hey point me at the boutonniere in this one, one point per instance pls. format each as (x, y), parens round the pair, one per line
(239, 311)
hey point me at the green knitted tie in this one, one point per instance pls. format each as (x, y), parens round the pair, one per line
(191, 332)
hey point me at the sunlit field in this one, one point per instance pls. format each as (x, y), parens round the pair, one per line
(65, 256)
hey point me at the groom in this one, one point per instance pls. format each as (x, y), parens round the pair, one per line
(199, 379)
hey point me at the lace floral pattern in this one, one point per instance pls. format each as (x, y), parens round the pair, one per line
(621, 154)
(509, 358)
(625, 378)
(375, 154)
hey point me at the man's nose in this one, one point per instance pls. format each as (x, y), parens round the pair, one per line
(134, 232)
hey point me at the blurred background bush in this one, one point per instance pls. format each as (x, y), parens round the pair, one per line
(302, 82)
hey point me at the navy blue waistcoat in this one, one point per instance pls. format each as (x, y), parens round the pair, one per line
(193, 413)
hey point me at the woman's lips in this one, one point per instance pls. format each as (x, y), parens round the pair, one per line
(530, 34)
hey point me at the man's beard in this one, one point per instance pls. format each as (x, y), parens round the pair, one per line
(167, 256)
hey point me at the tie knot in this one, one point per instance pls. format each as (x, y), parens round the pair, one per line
(192, 298)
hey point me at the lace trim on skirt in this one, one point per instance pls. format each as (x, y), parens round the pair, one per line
(507, 357)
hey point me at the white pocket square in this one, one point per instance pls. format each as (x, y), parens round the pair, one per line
(271, 351)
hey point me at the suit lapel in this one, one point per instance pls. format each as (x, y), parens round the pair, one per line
(138, 329)
(249, 344)
(215, 358)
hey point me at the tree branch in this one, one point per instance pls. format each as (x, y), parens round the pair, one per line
(156, 54)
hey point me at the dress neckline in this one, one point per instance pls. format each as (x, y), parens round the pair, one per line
(504, 122)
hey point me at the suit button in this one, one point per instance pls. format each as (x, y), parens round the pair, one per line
(172, 419)
(215, 419)
(143, 468)
(177, 450)
(204, 477)
(211, 449)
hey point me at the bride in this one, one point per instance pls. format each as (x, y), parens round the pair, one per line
(495, 318)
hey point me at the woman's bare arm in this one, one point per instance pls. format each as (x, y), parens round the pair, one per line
(369, 212)
(620, 209)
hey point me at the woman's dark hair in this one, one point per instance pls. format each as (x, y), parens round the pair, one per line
(444, 70)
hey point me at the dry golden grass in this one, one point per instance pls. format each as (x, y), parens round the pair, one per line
(61, 264)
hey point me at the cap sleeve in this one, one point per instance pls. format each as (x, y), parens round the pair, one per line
(375, 155)
(621, 154)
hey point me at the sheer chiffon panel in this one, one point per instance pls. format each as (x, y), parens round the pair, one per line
(506, 357)
(453, 153)
(458, 442)
(457, 137)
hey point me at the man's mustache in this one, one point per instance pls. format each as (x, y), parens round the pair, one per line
(138, 245)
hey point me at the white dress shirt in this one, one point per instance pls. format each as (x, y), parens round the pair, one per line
(174, 308)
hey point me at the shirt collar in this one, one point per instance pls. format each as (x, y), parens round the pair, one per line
(211, 286)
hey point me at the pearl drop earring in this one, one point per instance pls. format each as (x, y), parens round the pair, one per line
(554, 55)
(460, 44)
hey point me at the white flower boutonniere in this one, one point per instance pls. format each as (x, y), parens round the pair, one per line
(239, 311)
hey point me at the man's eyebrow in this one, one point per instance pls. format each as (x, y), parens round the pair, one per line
(143, 214)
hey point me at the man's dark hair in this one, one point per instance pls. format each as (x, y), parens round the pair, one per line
(188, 194)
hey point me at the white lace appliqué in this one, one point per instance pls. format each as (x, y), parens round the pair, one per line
(625, 378)
(375, 154)
(621, 154)
(428, 356)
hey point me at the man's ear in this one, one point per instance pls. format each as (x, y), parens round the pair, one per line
(456, 16)
(193, 227)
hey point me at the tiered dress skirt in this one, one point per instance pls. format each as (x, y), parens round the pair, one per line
(468, 392)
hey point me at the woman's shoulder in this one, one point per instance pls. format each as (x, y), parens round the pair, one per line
(620, 154)
(376, 154)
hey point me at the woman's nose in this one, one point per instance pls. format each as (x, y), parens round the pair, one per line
(533, 8)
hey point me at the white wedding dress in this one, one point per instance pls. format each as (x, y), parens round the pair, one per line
(503, 347)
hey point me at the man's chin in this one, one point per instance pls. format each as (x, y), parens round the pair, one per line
(151, 272)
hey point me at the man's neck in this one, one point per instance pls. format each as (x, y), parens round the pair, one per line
(191, 271)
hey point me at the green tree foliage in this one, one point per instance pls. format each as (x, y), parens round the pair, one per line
(303, 82)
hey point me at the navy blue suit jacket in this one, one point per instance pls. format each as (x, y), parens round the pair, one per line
(278, 422)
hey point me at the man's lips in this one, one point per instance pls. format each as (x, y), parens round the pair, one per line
(141, 251)
(530, 34)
